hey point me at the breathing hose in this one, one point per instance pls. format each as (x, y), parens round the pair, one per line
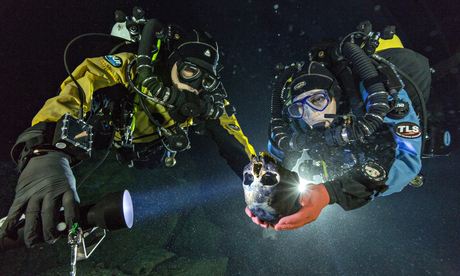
(279, 129)
(378, 106)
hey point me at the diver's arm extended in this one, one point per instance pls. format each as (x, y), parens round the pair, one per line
(366, 180)
(233, 145)
(347, 191)
(47, 182)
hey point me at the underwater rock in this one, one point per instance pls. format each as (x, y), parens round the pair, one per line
(111, 176)
(198, 236)
(119, 246)
(84, 268)
(193, 267)
(144, 261)
(22, 261)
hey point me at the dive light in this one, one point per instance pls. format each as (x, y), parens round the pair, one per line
(114, 211)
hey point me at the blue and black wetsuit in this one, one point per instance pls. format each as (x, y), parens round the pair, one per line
(386, 162)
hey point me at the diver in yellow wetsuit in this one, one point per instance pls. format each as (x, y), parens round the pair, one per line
(145, 104)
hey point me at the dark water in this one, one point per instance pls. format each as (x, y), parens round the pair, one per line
(414, 232)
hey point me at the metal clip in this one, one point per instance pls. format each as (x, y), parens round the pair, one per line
(79, 249)
(74, 239)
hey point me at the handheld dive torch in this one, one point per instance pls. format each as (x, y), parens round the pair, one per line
(114, 211)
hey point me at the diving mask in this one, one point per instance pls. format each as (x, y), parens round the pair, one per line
(196, 77)
(316, 100)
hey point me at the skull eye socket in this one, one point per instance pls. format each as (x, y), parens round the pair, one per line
(269, 179)
(248, 179)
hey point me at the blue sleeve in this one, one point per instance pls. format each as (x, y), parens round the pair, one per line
(408, 137)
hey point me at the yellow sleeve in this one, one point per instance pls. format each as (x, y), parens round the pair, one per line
(92, 74)
(233, 145)
(230, 124)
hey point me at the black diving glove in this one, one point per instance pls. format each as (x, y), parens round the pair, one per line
(45, 184)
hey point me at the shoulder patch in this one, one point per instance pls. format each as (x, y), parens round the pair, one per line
(114, 61)
(408, 130)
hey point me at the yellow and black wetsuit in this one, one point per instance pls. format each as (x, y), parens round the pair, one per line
(99, 73)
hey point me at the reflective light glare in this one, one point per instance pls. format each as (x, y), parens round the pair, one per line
(303, 183)
(128, 209)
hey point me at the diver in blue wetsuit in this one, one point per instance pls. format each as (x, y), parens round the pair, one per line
(350, 122)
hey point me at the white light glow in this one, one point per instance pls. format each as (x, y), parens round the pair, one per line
(128, 211)
(303, 183)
